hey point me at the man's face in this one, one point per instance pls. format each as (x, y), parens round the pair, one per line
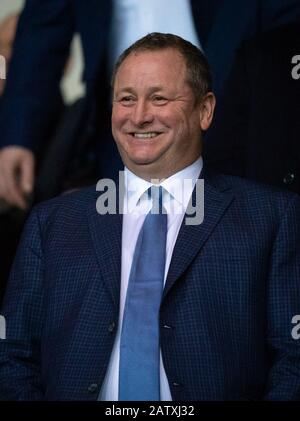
(155, 122)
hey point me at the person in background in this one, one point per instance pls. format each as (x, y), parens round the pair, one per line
(8, 28)
(10, 220)
(256, 129)
(12, 217)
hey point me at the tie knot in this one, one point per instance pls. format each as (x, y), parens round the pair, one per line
(156, 194)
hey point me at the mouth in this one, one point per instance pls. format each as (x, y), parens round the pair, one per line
(145, 135)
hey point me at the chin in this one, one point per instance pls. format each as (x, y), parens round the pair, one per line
(142, 160)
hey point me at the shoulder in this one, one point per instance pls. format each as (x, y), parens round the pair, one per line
(254, 196)
(69, 207)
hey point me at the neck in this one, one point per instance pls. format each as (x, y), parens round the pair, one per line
(156, 176)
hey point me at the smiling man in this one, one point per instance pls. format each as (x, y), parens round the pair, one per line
(157, 116)
(139, 305)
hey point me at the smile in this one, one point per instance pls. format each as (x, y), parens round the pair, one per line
(145, 135)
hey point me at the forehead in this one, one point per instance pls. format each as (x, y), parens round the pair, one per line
(165, 66)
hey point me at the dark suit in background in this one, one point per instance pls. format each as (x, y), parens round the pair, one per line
(256, 129)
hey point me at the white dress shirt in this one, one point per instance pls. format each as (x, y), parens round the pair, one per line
(136, 205)
(133, 19)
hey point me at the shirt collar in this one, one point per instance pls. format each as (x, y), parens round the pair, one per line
(179, 186)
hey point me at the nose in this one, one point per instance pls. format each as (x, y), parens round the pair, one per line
(142, 113)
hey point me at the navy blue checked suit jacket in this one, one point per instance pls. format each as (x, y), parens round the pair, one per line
(232, 289)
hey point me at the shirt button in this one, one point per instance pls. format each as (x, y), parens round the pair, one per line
(111, 327)
(289, 178)
(92, 388)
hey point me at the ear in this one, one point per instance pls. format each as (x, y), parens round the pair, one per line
(207, 107)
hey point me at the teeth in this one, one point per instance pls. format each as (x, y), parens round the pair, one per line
(145, 135)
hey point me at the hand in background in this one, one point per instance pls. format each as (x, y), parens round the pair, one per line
(16, 175)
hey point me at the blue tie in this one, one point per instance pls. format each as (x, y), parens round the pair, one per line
(139, 371)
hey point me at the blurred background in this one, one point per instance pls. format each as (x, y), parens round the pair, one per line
(55, 101)
(71, 84)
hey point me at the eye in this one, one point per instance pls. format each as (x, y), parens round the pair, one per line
(126, 100)
(159, 100)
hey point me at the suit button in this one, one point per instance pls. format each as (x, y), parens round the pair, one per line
(165, 326)
(111, 327)
(289, 178)
(92, 388)
(175, 384)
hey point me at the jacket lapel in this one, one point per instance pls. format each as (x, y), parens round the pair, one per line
(191, 238)
(106, 234)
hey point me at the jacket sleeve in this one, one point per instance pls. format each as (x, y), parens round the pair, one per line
(32, 94)
(283, 303)
(20, 376)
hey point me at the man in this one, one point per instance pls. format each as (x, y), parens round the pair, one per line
(259, 115)
(92, 312)
(42, 48)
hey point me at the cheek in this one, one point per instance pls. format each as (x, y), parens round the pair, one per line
(170, 119)
(176, 117)
(119, 117)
